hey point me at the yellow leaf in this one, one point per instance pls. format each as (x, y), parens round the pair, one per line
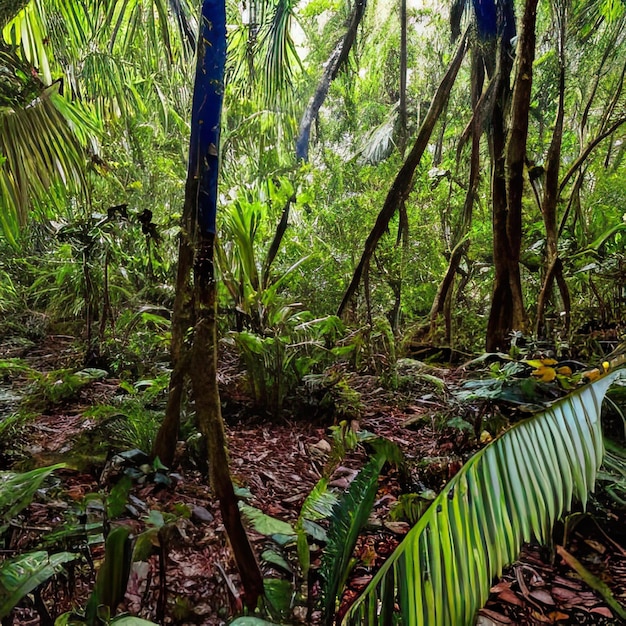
(565, 370)
(545, 374)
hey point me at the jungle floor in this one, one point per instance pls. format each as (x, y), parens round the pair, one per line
(192, 579)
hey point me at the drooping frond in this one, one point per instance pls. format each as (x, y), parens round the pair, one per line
(39, 146)
(262, 53)
(513, 489)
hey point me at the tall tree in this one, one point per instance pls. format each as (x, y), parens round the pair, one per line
(403, 183)
(337, 59)
(199, 357)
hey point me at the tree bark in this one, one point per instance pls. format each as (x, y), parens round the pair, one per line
(460, 242)
(403, 182)
(337, 58)
(209, 417)
(182, 320)
(551, 196)
(507, 308)
(198, 235)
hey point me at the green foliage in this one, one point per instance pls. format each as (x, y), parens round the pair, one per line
(276, 364)
(17, 491)
(24, 573)
(513, 489)
(59, 386)
(348, 518)
(132, 421)
(110, 588)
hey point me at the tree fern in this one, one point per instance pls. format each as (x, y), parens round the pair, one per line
(513, 489)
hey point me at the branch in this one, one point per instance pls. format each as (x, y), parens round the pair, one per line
(403, 182)
(337, 58)
(588, 150)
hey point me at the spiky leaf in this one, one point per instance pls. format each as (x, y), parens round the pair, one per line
(17, 491)
(23, 574)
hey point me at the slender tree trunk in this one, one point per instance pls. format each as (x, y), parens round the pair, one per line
(209, 416)
(199, 228)
(281, 229)
(403, 182)
(402, 137)
(551, 196)
(338, 57)
(459, 241)
(182, 320)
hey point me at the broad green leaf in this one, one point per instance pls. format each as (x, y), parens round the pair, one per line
(23, 574)
(264, 524)
(515, 487)
(17, 491)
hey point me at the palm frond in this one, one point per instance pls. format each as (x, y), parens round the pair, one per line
(513, 489)
(280, 53)
(39, 147)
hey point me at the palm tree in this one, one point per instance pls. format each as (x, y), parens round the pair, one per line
(71, 68)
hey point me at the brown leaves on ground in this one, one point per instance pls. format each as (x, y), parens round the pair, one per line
(279, 461)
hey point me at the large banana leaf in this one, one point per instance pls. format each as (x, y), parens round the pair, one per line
(513, 489)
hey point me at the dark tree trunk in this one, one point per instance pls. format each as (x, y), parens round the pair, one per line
(507, 307)
(208, 413)
(333, 65)
(459, 241)
(551, 198)
(403, 182)
(182, 320)
(281, 229)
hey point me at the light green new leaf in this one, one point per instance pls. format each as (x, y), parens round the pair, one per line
(264, 524)
(513, 489)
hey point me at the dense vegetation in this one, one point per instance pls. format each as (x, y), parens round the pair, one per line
(424, 180)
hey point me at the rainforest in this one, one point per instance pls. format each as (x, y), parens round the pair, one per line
(312, 312)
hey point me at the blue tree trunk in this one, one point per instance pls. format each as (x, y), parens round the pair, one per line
(206, 112)
(201, 210)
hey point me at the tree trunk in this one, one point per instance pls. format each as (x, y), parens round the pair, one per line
(403, 182)
(459, 241)
(507, 307)
(182, 320)
(402, 137)
(209, 417)
(551, 196)
(199, 215)
(337, 58)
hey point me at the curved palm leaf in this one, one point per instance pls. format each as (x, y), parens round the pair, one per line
(513, 489)
(39, 146)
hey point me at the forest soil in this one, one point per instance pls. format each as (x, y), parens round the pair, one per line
(278, 461)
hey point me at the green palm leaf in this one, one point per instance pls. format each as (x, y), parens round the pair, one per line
(513, 489)
(17, 491)
(39, 146)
